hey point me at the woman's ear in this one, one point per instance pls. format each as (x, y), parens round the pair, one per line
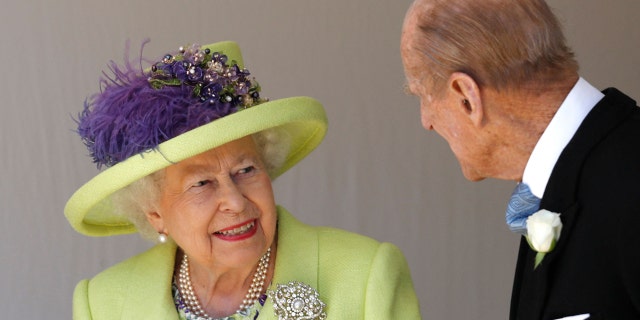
(467, 90)
(156, 220)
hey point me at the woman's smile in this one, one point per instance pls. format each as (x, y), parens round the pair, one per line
(238, 232)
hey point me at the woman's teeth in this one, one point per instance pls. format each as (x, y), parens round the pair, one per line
(238, 230)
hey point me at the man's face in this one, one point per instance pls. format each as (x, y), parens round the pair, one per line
(443, 114)
(442, 108)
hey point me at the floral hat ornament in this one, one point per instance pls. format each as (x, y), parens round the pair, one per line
(188, 102)
(182, 91)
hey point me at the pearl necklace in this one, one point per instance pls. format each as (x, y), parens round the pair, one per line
(191, 300)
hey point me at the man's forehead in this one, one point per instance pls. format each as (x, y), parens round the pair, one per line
(414, 71)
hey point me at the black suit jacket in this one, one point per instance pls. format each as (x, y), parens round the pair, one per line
(595, 186)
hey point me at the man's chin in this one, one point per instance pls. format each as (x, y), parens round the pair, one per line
(474, 178)
(472, 175)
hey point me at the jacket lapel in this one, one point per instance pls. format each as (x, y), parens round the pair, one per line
(531, 286)
(149, 297)
(297, 257)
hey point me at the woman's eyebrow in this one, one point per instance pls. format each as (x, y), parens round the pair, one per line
(202, 168)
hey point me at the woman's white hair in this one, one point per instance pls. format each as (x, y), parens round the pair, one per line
(143, 195)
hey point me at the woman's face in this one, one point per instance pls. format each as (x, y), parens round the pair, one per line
(218, 206)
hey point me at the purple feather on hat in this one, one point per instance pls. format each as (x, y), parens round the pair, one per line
(138, 110)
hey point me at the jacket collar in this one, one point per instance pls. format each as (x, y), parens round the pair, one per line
(561, 192)
(561, 196)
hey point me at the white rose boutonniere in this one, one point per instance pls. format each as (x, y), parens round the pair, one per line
(543, 231)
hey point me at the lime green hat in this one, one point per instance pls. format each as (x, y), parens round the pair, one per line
(188, 103)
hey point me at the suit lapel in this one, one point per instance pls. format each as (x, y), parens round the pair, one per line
(531, 286)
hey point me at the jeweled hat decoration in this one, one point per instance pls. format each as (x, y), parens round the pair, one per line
(182, 91)
(186, 103)
(213, 81)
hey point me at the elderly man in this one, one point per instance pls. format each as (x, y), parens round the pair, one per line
(497, 80)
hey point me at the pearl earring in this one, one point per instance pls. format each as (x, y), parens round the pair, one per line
(162, 238)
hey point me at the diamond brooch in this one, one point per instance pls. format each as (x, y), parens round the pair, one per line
(297, 301)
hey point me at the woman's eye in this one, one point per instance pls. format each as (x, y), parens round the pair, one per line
(246, 170)
(201, 183)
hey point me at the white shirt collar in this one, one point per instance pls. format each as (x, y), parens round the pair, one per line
(564, 124)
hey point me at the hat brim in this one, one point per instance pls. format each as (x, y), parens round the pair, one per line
(89, 210)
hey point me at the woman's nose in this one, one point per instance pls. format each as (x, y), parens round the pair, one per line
(231, 199)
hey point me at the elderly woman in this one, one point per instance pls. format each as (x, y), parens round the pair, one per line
(191, 149)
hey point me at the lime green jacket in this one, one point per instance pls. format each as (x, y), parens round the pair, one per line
(356, 277)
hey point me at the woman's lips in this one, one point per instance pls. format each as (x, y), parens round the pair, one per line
(238, 232)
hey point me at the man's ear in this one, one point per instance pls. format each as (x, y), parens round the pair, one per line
(467, 90)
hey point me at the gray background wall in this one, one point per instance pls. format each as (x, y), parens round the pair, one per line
(378, 172)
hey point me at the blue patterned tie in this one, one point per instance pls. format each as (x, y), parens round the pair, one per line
(521, 205)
